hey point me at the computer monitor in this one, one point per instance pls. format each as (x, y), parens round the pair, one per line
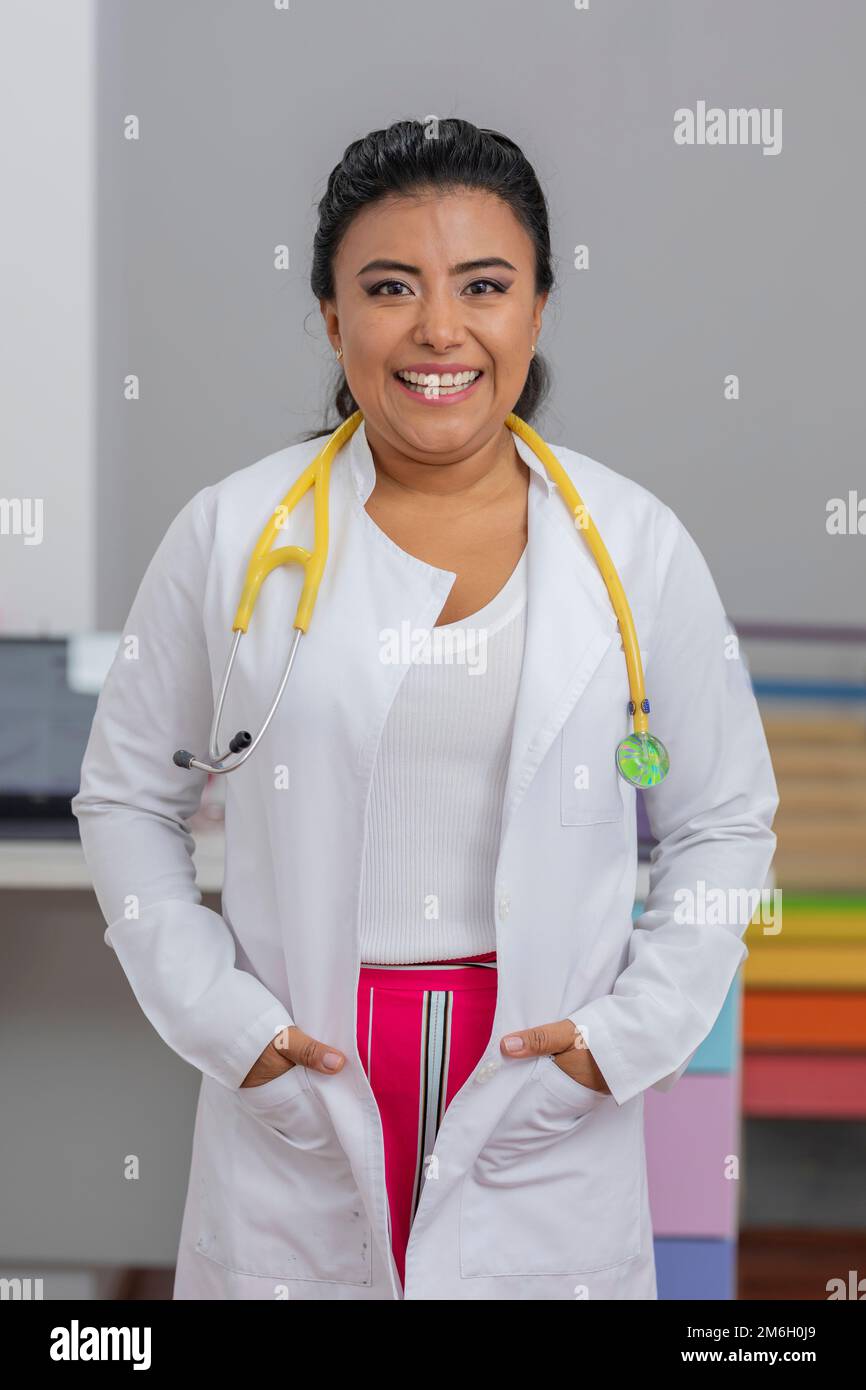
(45, 719)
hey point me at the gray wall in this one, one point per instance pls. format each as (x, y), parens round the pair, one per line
(48, 93)
(704, 260)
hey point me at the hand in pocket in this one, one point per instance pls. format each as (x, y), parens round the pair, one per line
(564, 1042)
(290, 1048)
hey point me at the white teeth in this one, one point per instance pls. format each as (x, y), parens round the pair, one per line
(435, 384)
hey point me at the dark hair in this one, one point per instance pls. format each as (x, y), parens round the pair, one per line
(404, 159)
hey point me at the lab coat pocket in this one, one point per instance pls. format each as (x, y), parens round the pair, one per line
(561, 1084)
(277, 1196)
(556, 1188)
(590, 792)
(264, 1099)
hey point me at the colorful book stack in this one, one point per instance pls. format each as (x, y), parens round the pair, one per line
(805, 1011)
(790, 1044)
(804, 1023)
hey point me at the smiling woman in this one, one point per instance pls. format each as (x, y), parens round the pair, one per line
(432, 293)
(424, 1017)
(481, 329)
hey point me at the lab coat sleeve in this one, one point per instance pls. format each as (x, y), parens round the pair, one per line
(132, 809)
(712, 817)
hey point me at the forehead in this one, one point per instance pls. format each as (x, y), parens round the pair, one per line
(432, 227)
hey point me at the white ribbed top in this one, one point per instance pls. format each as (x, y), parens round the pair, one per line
(435, 808)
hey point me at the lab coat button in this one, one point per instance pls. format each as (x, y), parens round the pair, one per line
(486, 1070)
(504, 905)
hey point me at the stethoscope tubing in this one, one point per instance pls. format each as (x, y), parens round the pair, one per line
(641, 758)
(246, 744)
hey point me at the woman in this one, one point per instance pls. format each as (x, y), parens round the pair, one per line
(425, 1020)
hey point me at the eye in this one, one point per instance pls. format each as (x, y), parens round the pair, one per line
(374, 289)
(391, 289)
(500, 289)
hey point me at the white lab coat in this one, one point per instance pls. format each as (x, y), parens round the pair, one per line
(539, 1186)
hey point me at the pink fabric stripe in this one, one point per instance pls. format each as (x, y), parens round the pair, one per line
(391, 1042)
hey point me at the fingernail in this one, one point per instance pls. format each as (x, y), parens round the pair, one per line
(513, 1044)
(332, 1060)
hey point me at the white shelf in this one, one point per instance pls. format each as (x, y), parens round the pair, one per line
(49, 864)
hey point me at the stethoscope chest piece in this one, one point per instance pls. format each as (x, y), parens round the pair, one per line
(642, 760)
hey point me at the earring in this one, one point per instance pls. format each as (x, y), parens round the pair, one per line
(339, 353)
(533, 347)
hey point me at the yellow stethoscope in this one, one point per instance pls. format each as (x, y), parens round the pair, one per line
(641, 759)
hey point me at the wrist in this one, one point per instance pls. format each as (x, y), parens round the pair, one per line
(588, 1072)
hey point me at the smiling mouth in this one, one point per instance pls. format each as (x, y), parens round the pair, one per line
(438, 386)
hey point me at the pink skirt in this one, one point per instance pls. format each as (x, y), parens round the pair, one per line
(421, 1032)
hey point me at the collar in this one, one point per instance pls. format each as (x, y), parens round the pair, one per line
(364, 469)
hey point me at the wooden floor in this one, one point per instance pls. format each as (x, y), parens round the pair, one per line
(787, 1265)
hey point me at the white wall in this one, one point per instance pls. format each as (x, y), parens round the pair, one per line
(47, 312)
(704, 261)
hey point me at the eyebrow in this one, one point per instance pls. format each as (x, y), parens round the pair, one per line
(460, 269)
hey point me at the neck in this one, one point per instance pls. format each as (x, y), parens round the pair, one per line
(480, 475)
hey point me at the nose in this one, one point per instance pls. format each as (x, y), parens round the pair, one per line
(440, 322)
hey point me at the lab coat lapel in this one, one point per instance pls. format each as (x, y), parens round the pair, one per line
(570, 624)
(323, 739)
